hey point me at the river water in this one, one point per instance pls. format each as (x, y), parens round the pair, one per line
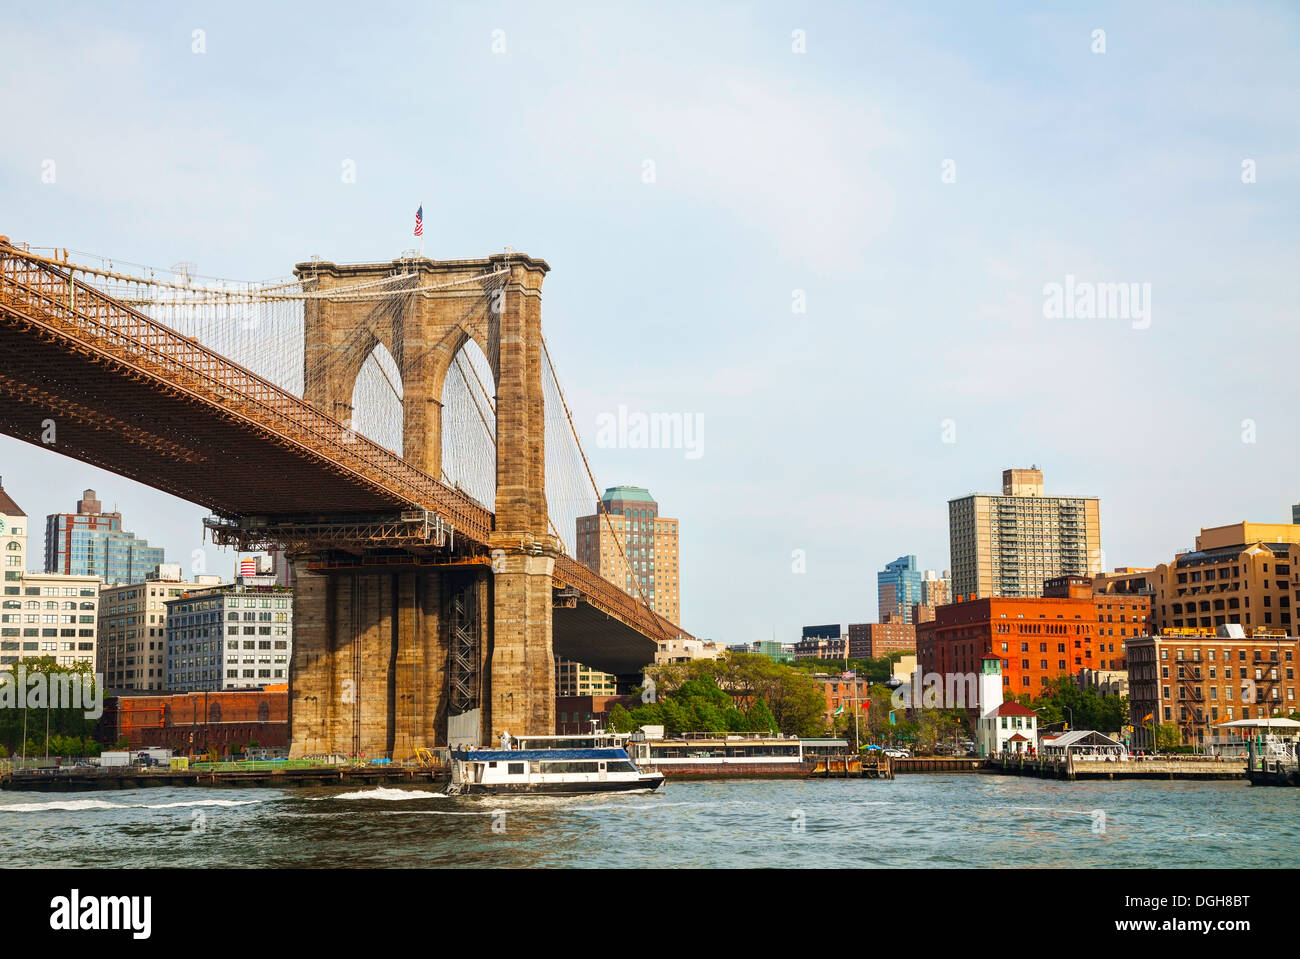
(916, 820)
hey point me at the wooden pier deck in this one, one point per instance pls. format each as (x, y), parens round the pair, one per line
(851, 767)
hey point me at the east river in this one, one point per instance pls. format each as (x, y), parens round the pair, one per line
(916, 820)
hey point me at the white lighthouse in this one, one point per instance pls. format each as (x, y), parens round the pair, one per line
(1003, 726)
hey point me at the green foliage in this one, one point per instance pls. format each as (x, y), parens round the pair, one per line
(68, 726)
(620, 720)
(743, 693)
(761, 718)
(1168, 737)
(1064, 702)
(875, 670)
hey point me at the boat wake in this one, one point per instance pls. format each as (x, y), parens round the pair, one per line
(82, 805)
(386, 794)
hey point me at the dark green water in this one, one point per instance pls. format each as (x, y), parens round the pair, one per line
(916, 820)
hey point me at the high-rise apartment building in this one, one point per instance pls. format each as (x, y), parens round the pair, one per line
(230, 637)
(132, 650)
(936, 590)
(91, 542)
(1008, 545)
(898, 588)
(632, 546)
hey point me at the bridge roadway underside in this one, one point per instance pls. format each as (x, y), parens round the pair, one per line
(586, 635)
(166, 438)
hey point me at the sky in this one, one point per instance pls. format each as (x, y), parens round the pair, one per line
(825, 232)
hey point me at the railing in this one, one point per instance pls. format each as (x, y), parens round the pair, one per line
(570, 572)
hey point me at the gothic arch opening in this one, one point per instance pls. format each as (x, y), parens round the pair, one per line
(377, 400)
(469, 424)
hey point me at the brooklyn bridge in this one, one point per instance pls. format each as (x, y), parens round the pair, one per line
(396, 429)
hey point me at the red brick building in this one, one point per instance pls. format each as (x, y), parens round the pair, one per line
(574, 714)
(192, 723)
(873, 640)
(1037, 638)
(849, 693)
(1120, 617)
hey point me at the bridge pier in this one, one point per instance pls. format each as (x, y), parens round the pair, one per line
(372, 672)
(522, 680)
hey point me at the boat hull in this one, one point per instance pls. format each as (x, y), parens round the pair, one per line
(649, 784)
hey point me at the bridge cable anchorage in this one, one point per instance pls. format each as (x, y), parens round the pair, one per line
(658, 620)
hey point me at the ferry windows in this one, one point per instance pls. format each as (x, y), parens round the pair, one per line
(515, 769)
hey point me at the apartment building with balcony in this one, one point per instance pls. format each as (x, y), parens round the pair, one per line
(1199, 678)
(1008, 545)
(1246, 573)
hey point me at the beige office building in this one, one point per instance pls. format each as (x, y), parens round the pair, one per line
(1008, 545)
(633, 547)
(13, 537)
(575, 679)
(133, 628)
(41, 614)
(49, 614)
(1244, 573)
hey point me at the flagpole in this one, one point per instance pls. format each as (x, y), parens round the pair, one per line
(422, 235)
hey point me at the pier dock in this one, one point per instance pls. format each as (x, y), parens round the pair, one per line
(1134, 767)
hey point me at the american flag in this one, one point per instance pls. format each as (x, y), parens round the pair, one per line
(419, 221)
(851, 674)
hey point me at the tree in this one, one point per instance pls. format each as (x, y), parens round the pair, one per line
(1062, 701)
(1168, 736)
(694, 694)
(760, 718)
(620, 720)
(44, 676)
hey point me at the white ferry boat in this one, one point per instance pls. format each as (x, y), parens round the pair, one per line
(556, 765)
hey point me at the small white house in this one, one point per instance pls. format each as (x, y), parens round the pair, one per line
(1003, 727)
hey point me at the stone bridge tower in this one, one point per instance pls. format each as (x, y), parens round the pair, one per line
(370, 668)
